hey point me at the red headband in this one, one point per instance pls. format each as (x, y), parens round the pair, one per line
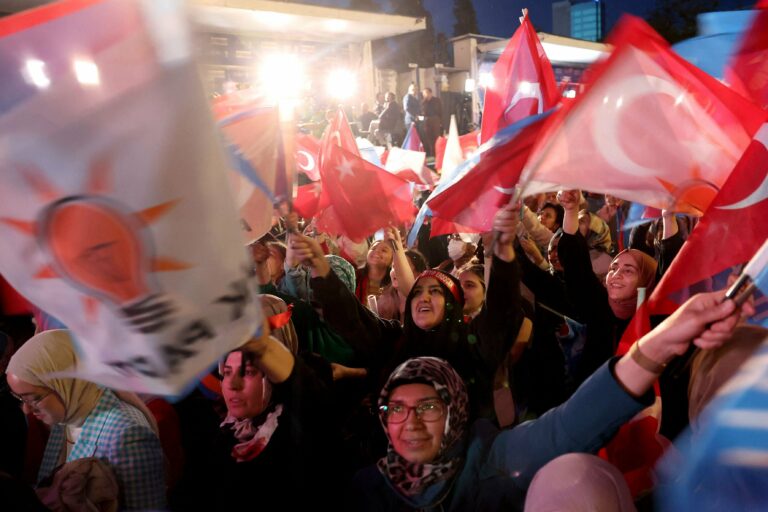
(444, 280)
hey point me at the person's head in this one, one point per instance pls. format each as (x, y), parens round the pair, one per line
(551, 216)
(434, 296)
(461, 246)
(472, 280)
(427, 93)
(416, 261)
(280, 324)
(364, 107)
(423, 408)
(51, 399)
(380, 254)
(554, 260)
(343, 270)
(390, 96)
(379, 97)
(412, 89)
(630, 269)
(277, 252)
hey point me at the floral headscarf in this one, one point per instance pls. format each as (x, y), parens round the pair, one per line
(411, 479)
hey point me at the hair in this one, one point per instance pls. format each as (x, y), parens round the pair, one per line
(477, 269)
(428, 89)
(559, 212)
(417, 259)
(280, 246)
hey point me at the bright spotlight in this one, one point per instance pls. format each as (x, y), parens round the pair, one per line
(87, 72)
(341, 84)
(282, 75)
(469, 85)
(486, 80)
(36, 73)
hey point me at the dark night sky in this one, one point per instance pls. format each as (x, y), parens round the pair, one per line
(499, 17)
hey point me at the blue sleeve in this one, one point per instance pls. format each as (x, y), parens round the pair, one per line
(138, 465)
(582, 424)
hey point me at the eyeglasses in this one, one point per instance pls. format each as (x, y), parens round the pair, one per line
(429, 411)
(30, 402)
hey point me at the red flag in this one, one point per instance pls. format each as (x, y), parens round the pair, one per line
(308, 155)
(736, 222)
(308, 199)
(359, 198)
(340, 134)
(412, 140)
(650, 128)
(473, 200)
(747, 72)
(522, 83)
(469, 143)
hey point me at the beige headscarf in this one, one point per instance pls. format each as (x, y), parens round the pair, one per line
(52, 351)
(286, 334)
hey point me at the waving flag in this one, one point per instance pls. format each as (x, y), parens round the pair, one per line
(736, 220)
(308, 155)
(251, 129)
(650, 128)
(747, 72)
(489, 180)
(358, 198)
(340, 134)
(112, 175)
(522, 83)
(412, 140)
(467, 142)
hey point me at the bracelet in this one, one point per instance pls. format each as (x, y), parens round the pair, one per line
(645, 362)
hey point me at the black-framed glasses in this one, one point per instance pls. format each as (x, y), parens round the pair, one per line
(430, 410)
(31, 402)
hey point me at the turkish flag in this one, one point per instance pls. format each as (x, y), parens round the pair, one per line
(650, 128)
(747, 72)
(308, 155)
(468, 143)
(736, 220)
(340, 134)
(359, 198)
(475, 197)
(308, 199)
(522, 83)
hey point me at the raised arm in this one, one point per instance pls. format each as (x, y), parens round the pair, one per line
(403, 272)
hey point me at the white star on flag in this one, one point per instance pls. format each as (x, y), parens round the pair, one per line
(345, 169)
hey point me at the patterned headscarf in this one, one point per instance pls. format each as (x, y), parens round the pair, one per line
(343, 270)
(410, 478)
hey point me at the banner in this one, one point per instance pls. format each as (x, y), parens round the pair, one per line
(114, 205)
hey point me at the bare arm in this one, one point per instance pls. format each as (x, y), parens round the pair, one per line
(403, 272)
(569, 199)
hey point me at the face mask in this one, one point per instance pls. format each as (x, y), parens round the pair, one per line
(456, 249)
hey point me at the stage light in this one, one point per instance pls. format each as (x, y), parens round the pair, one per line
(341, 84)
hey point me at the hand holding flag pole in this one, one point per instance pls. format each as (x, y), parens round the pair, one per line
(746, 284)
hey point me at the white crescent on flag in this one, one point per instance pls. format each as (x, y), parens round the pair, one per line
(309, 159)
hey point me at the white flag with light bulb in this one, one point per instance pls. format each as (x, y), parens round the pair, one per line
(114, 205)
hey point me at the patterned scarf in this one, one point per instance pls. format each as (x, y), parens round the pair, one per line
(253, 436)
(409, 478)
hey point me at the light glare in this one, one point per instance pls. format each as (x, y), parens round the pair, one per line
(282, 76)
(341, 84)
(87, 72)
(36, 73)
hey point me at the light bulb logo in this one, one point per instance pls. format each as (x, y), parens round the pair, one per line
(103, 249)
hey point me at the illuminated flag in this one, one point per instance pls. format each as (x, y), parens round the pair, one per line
(308, 155)
(522, 82)
(650, 128)
(114, 207)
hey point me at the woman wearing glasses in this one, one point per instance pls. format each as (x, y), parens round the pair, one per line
(87, 420)
(437, 460)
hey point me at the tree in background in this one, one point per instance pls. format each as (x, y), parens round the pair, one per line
(418, 47)
(466, 18)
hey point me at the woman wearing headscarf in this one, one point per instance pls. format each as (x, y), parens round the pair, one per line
(87, 420)
(274, 448)
(437, 460)
(373, 277)
(433, 323)
(605, 307)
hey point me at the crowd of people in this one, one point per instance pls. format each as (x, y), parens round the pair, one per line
(471, 372)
